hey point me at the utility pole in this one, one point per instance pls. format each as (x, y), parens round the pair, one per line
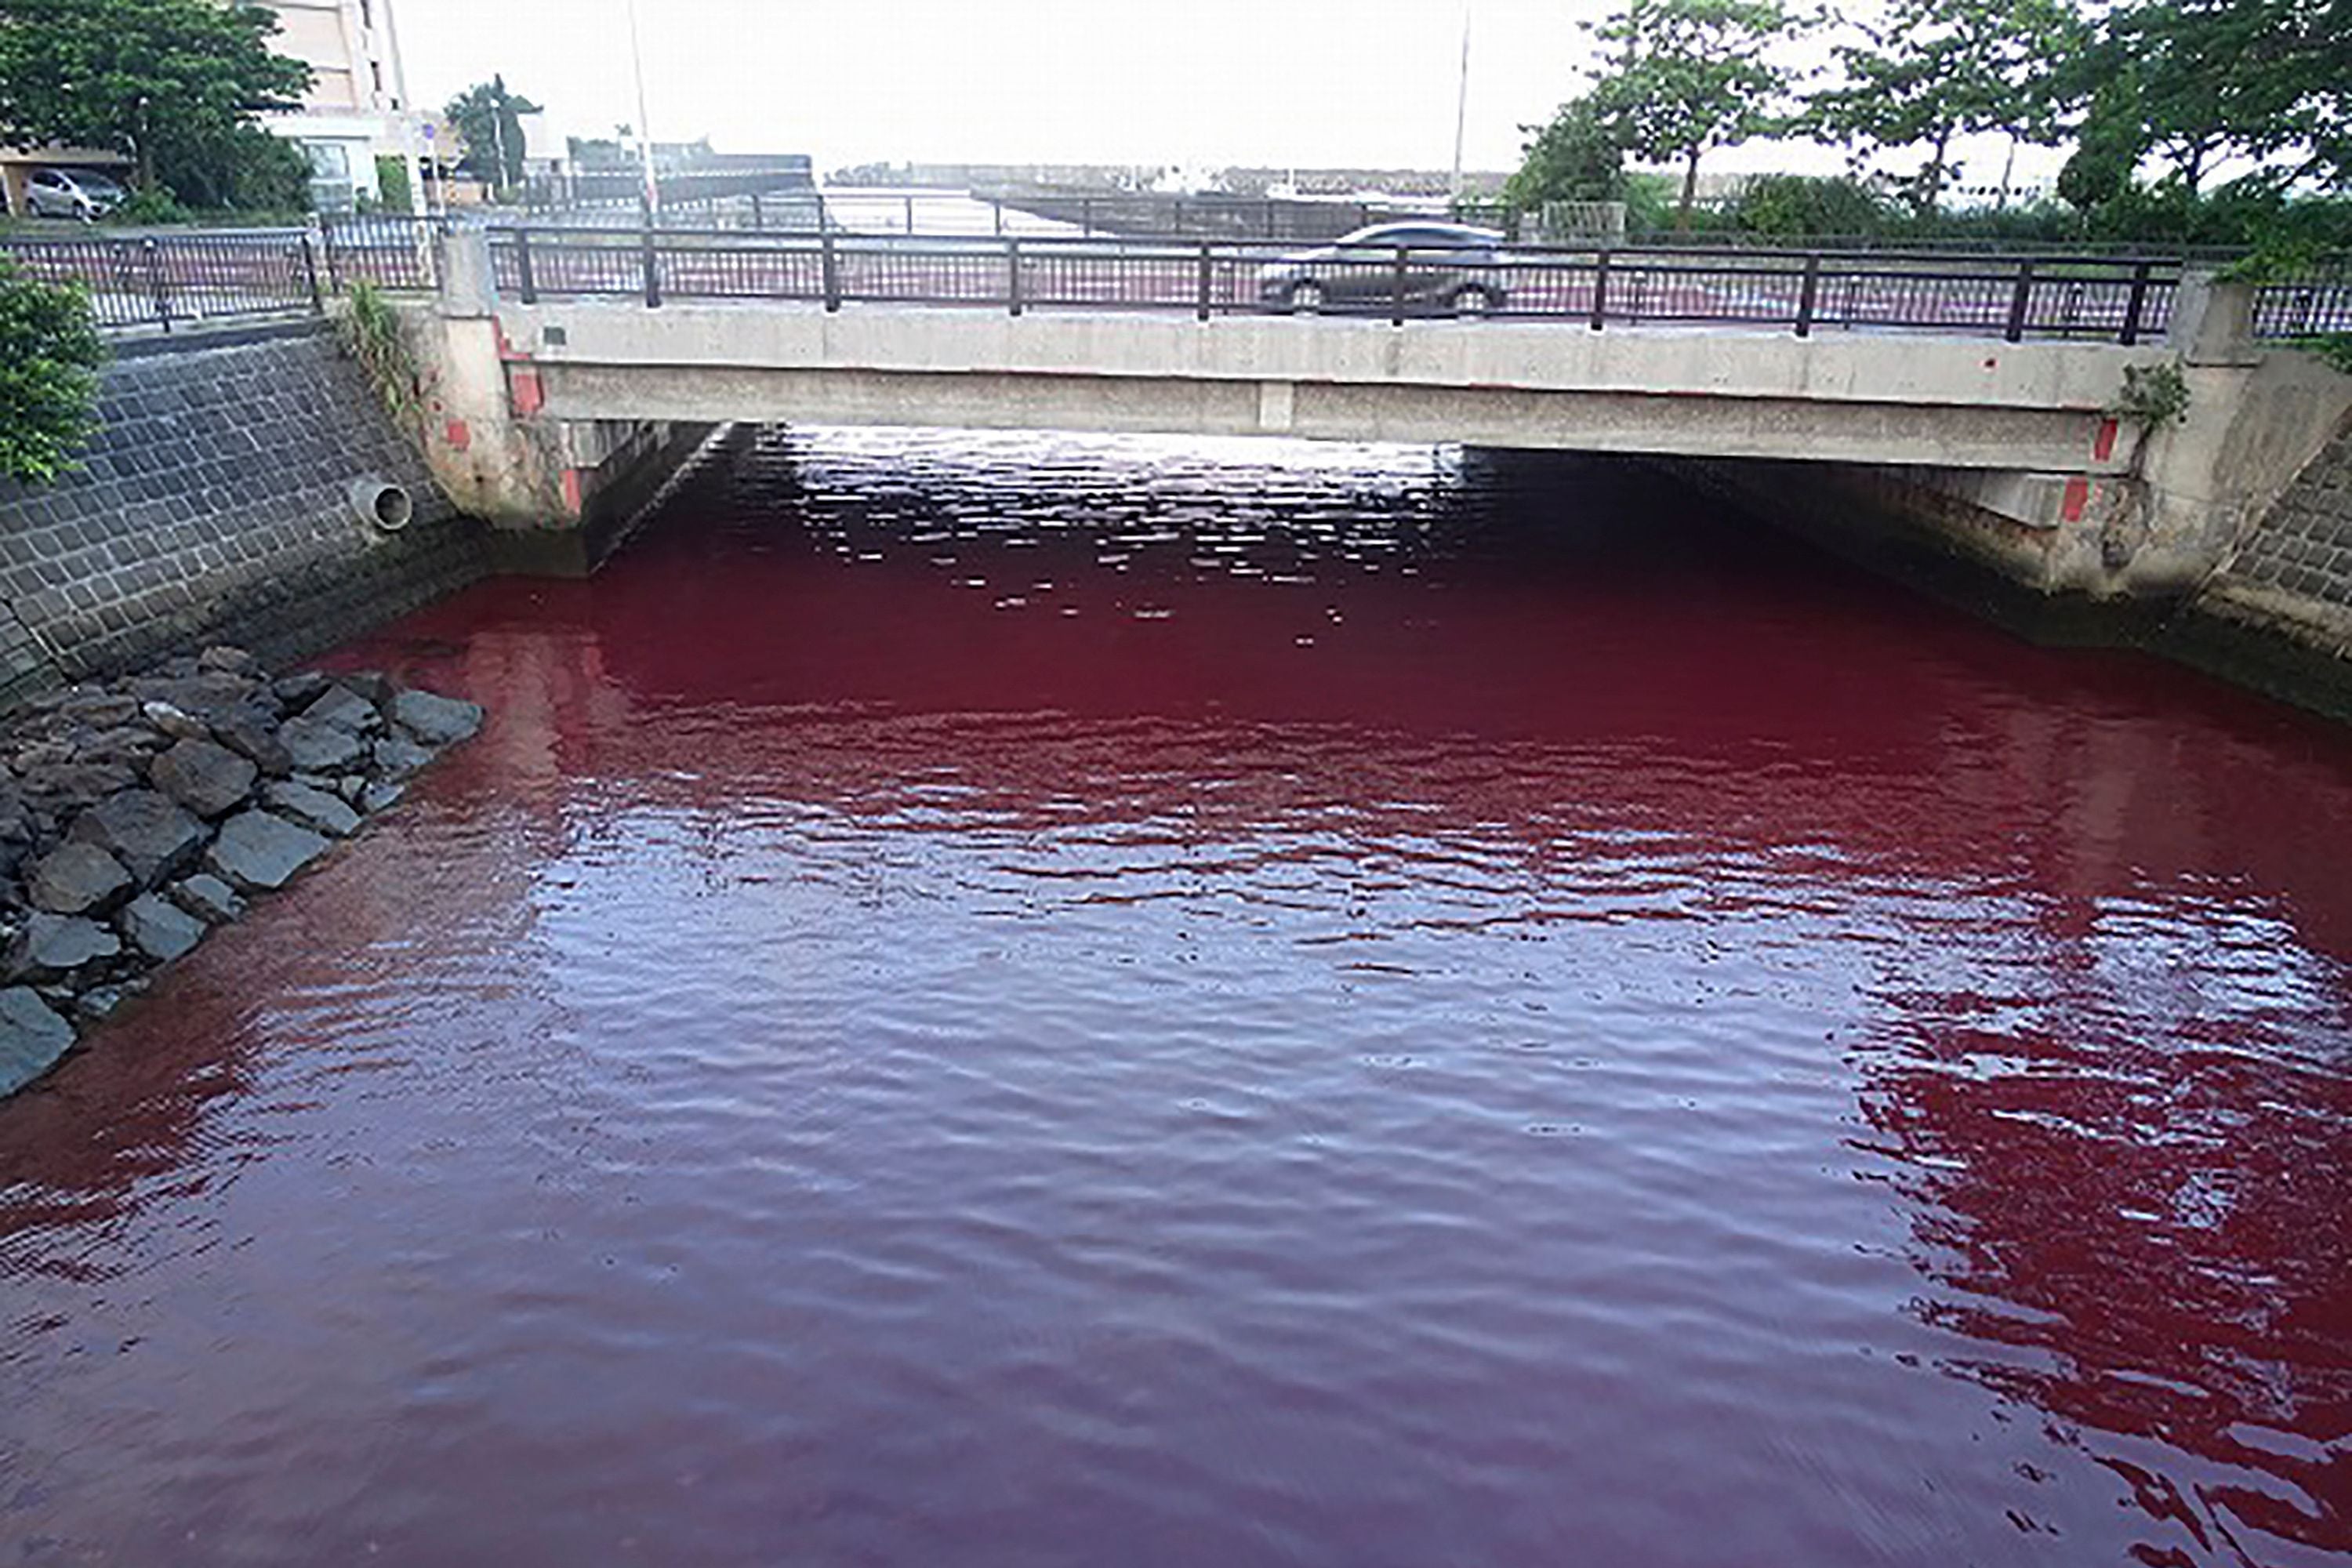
(644, 127)
(1460, 104)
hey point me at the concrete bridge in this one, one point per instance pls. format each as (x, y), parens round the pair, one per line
(1989, 401)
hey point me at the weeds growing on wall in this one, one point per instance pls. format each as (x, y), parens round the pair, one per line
(50, 358)
(2154, 395)
(372, 335)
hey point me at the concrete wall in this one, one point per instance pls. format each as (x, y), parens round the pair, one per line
(213, 506)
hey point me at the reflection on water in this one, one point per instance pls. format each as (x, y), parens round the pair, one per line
(1033, 999)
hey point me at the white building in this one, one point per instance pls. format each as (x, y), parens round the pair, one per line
(358, 108)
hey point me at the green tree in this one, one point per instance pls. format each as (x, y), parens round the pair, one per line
(489, 119)
(2267, 80)
(1687, 76)
(1576, 158)
(167, 83)
(49, 355)
(1927, 70)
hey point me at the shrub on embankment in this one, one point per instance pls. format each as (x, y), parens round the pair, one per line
(137, 814)
(49, 357)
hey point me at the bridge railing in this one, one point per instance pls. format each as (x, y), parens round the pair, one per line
(165, 278)
(2127, 300)
(2319, 305)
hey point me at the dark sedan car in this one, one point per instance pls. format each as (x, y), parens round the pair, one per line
(1447, 269)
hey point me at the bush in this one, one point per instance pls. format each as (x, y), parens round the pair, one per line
(1576, 158)
(149, 208)
(49, 356)
(246, 170)
(392, 180)
(1790, 206)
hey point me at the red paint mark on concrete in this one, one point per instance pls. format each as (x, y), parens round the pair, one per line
(458, 434)
(575, 491)
(506, 349)
(2104, 447)
(2078, 496)
(528, 391)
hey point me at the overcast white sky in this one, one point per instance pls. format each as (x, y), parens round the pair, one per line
(1191, 83)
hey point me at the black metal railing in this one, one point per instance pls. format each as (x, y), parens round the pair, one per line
(2123, 300)
(2313, 306)
(167, 279)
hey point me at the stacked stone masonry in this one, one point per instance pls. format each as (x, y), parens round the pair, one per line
(214, 504)
(2303, 546)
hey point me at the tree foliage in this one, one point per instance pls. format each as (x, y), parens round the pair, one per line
(2211, 80)
(170, 84)
(489, 119)
(1682, 77)
(49, 356)
(1576, 158)
(1927, 70)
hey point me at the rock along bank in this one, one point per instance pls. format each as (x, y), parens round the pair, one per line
(138, 813)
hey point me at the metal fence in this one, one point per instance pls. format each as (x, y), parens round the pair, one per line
(2124, 300)
(2307, 308)
(165, 279)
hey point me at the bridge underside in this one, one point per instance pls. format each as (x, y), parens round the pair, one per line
(1943, 403)
(2005, 439)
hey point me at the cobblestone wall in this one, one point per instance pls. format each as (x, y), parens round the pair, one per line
(213, 507)
(2303, 547)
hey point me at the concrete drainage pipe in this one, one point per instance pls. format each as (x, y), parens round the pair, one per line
(381, 504)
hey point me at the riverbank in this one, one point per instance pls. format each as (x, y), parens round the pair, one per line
(136, 815)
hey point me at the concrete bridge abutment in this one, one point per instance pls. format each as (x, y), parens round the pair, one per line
(559, 493)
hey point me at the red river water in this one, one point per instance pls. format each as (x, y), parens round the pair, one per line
(1032, 1001)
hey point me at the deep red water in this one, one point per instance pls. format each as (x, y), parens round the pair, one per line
(1044, 1001)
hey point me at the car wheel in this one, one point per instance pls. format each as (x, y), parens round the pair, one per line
(1306, 298)
(1474, 300)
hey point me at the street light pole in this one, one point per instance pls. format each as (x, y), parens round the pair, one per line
(645, 131)
(1461, 103)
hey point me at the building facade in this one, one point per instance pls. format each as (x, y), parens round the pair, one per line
(358, 110)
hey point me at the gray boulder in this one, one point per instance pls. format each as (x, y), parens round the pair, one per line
(256, 740)
(76, 878)
(312, 808)
(301, 688)
(341, 706)
(257, 852)
(67, 787)
(396, 756)
(214, 697)
(158, 928)
(209, 898)
(146, 831)
(315, 746)
(176, 722)
(207, 779)
(32, 1038)
(371, 684)
(51, 945)
(225, 658)
(380, 796)
(96, 1006)
(435, 720)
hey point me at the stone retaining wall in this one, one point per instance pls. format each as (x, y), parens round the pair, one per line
(213, 507)
(2298, 562)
